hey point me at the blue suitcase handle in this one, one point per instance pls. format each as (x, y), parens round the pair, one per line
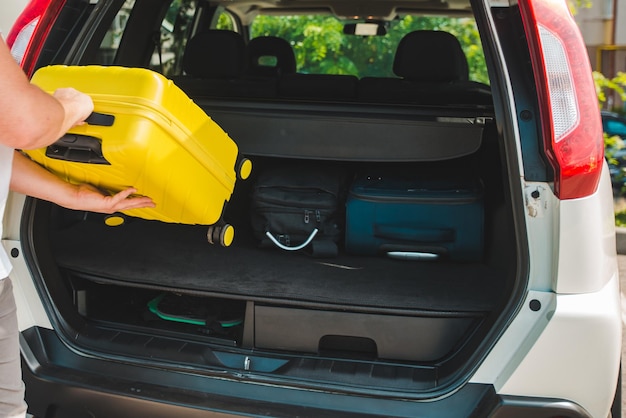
(421, 235)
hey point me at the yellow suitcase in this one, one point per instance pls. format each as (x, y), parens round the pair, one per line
(148, 134)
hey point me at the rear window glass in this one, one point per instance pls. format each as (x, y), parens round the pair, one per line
(175, 29)
(167, 45)
(321, 46)
(111, 41)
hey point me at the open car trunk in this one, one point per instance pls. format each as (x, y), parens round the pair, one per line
(159, 291)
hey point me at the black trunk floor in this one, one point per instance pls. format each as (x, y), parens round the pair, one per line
(149, 253)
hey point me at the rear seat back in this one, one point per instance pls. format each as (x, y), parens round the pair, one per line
(270, 56)
(292, 84)
(430, 65)
(430, 56)
(217, 63)
(318, 86)
(432, 69)
(214, 63)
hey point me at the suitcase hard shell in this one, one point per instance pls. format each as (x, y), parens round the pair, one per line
(152, 137)
(415, 219)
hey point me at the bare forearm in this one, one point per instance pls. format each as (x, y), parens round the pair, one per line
(38, 119)
(32, 118)
(30, 125)
(31, 179)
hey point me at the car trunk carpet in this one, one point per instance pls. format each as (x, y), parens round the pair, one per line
(150, 253)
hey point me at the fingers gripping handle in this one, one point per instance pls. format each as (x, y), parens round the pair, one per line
(82, 148)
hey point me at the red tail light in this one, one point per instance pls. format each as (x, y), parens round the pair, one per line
(30, 30)
(570, 117)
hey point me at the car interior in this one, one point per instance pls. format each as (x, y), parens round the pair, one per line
(159, 292)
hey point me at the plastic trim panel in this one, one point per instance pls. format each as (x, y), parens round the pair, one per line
(61, 382)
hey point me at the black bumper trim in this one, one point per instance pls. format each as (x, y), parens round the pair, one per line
(62, 383)
(523, 407)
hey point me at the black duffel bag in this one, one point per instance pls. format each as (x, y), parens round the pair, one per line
(299, 208)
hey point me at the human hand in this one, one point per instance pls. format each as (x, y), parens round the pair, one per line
(78, 106)
(91, 199)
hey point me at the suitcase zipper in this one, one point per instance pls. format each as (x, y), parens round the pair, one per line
(329, 202)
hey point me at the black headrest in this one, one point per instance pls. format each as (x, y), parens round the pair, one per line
(270, 56)
(428, 55)
(215, 54)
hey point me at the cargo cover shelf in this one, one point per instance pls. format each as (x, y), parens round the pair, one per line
(172, 256)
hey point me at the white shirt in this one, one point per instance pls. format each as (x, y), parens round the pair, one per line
(6, 162)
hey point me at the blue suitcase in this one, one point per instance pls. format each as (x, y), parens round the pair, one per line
(415, 219)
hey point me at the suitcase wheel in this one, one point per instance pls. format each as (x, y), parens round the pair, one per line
(224, 234)
(244, 168)
(115, 219)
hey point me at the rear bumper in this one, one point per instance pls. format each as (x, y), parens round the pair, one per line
(62, 383)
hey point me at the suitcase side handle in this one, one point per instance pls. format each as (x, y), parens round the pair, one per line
(100, 119)
(421, 235)
(77, 148)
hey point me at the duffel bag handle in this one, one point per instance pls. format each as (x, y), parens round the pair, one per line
(294, 248)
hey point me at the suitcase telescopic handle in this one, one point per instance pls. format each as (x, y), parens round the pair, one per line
(100, 119)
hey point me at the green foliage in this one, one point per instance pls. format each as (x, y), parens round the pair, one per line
(614, 143)
(321, 47)
(225, 22)
(576, 5)
(616, 84)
